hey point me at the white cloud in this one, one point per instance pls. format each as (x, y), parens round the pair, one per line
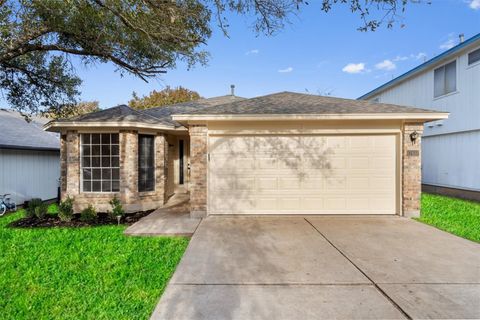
(419, 56)
(474, 4)
(354, 68)
(400, 58)
(386, 65)
(450, 43)
(253, 51)
(286, 70)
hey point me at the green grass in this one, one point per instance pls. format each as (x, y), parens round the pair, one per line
(82, 273)
(457, 216)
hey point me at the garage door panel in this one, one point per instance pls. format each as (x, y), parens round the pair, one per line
(303, 175)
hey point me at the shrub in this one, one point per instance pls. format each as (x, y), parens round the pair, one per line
(32, 205)
(88, 214)
(65, 209)
(117, 208)
(41, 210)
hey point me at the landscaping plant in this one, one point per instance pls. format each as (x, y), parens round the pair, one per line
(88, 214)
(32, 205)
(117, 208)
(65, 209)
(41, 210)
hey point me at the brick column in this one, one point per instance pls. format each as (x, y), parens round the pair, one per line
(411, 170)
(63, 166)
(128, 167)
(71, 180)
(198, 171)
(161, 160)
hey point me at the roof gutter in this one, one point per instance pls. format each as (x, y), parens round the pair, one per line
(425, 117)
(12, 147)
(422, 67)
(55, 126)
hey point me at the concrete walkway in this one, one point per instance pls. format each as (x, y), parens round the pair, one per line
(323, 268)
(173, 219)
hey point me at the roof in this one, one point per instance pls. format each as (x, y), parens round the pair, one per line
(165, 112)
(467, 43)
(289, 103)
(17, 133)
(123, 115)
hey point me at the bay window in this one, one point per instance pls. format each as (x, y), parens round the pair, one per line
(100, 162)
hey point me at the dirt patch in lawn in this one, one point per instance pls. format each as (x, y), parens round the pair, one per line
(102, 219)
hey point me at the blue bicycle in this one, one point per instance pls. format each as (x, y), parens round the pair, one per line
(6, 204)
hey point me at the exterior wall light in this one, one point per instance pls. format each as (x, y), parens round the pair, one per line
(413, 136)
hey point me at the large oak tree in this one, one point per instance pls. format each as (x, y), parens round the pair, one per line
(145, 38)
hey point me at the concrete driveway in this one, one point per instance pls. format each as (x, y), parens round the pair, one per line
(323, 268)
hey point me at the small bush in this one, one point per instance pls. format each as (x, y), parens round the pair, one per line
(41, 210)
(32, 205)
(117, 208)
(65, 209)
(88, 214)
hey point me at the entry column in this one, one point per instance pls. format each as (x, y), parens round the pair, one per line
(198, 171)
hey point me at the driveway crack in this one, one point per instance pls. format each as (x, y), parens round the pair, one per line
(362, 272)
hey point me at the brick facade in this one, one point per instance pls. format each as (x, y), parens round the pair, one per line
(411, 170)
(131, 198)
(198, 171)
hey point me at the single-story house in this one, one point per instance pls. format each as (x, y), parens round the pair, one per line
(29, 158)
(283, 153)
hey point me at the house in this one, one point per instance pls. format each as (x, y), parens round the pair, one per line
(449, 82)
(283, 153)
(29, 158)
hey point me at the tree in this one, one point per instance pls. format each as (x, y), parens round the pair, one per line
(38, 38)
(163, 97)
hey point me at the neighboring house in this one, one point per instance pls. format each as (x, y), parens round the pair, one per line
(449, 82)
(29, 158)
(284, 153)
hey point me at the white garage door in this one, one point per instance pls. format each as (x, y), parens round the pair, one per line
(302, 174)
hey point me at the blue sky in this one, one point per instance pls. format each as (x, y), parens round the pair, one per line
(319, 52)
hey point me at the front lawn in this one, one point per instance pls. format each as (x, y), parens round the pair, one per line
(457, 216)
(82, 273)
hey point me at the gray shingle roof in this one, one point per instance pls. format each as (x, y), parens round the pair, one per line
(299, 103)
(159, 115)
(121, 113)
(165, 112)
(20, 134)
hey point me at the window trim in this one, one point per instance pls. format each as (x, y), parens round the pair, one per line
(99, 193)
(476, 63)
(154, 162)
(443, 65)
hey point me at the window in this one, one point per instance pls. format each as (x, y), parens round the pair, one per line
(100, 162)
(146, 163)
(474, 56)
(445, 79)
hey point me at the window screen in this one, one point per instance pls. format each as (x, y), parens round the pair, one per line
(474, 57)
(445, 79)
(146, 163)
(100, 162)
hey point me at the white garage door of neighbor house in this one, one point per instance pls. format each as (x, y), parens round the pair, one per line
(302, 174)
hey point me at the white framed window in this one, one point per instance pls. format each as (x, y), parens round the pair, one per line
(474, 57)
(100, 162)
(445, 79)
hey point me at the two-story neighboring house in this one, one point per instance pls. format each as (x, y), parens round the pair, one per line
(451, 148)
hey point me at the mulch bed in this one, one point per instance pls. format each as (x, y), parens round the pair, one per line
(101, 220)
